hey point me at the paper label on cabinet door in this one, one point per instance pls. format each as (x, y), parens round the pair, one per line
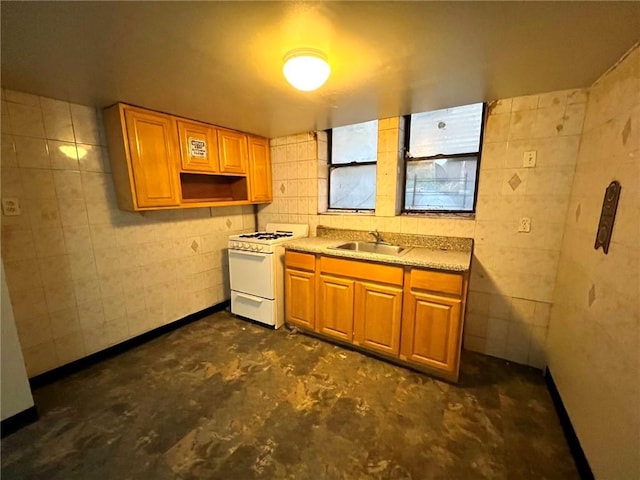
(197, 147)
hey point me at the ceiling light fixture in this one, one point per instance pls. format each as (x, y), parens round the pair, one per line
(306, 69)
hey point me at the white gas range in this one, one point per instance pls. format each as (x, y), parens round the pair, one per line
(256, 272)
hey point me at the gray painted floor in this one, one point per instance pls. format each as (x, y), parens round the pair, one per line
(222, 398)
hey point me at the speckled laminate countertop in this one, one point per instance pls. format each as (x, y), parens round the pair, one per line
(425, 257)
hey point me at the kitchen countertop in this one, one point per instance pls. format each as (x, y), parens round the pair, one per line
(417, 256)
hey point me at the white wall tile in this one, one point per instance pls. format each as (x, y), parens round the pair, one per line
(40, 358)
(529, 102)
(26, 120)
(64, 322)
(32, 152)
(21, 98)
(63, 155)
(85, 124)
(57, 120)
(69, 348)
(8, 153)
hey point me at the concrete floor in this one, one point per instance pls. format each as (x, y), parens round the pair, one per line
(222, 398)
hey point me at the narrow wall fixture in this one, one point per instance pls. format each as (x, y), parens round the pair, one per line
(306, 69)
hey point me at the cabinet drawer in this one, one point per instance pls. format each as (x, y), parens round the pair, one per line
(301, 261)
(374, 272)
(436, 281)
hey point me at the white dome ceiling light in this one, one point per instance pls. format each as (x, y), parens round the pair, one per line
(306, 69)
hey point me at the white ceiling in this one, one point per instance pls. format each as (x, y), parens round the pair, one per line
(221, 62)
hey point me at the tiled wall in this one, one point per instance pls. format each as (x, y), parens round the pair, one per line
(82, 274)
(296, 173)
(513, 273)
(594, 336)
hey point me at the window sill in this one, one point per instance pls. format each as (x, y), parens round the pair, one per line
(364, 213)
(447, 215)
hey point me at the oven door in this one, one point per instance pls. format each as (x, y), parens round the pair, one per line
(252, 273)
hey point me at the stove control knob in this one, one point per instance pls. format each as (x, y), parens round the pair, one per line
(259, 248)
(234, 244)
(246, 246)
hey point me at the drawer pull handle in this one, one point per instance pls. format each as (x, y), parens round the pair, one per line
(248, 297)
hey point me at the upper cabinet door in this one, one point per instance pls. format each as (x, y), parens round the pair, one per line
(198, 147)
(232, 151)
(259, 170)
(152, 152)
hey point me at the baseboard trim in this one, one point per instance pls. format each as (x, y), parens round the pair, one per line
(580, 459)
(84, 362)
(18, 421)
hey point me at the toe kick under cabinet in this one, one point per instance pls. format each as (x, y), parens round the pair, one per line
(408, 315)
(160, 161)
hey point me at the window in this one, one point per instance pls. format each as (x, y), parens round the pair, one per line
(352, 166)
(443, 155)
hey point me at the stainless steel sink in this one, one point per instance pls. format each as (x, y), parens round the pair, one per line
(370, 247)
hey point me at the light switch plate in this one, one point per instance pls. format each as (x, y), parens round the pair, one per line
(529, 159)
(11, 207)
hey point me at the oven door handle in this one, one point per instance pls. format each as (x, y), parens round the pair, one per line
(249, 297)
(249, 254)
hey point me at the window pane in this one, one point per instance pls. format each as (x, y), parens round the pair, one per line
(447, 131)
(444, 184)
(353, 187)
(355, 143)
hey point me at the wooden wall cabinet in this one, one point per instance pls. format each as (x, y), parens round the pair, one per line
(411, 315)
(232, 149)
(259, 170)
(143, 149)
(161, 161)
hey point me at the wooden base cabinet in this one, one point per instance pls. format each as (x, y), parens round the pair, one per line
(409, 315)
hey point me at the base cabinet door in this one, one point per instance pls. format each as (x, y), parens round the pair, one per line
(431, 332)
(300, 296)
(378, 314)
(335, 307)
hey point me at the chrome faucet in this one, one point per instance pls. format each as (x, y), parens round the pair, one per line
(377, 235)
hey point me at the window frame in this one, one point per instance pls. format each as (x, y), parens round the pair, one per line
(408, 159)
(332, 166)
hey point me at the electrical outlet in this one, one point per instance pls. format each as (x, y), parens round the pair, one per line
(529, 159)
(524, 225)
(11, 206)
